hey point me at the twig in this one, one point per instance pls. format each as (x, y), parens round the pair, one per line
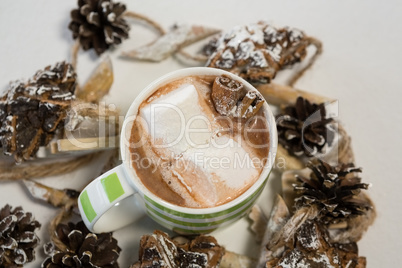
(53, 196)
(197, 58)
(38, 170)
(74, 54)
(276, 94)
(151, 22)
(318, 51)
(64, 213)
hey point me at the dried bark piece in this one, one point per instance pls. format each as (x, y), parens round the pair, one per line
(259, 222)
(88, 127)
(159, 250)
(98, 84)
(202, 244)
(55, 197)
(290, 227)
(277, 219)
(31, 112)
(310, 248)
(178, 37)
(258, 51)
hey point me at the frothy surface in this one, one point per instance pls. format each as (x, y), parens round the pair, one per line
(192, 159)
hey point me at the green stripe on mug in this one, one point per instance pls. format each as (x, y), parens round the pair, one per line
(180, 230)
(87, 206)
(205, 216)
(112, 187)
(198, 224)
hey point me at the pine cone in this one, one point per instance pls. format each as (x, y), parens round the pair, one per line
(83, 249)
(159, 250)
(304, 128)
(257, 52)
(99, 24)
(17, 237)
(31, 112)
(310, 248)
(334, 190)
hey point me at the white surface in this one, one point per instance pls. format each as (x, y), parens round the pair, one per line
(360, 66)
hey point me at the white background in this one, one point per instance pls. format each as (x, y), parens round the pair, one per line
(360, 66)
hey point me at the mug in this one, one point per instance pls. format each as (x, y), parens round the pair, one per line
(118, 197)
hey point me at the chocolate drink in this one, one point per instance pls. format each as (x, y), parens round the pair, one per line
(196, 146)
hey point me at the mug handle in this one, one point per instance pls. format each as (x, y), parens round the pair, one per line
(109, 202)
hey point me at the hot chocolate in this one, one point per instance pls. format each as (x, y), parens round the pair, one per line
(194, 145)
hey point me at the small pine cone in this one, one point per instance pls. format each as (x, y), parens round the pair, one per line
(83, 249)
(258, 51)
(17, 237)
(99, 24)
(334, 190)
(30, 113)
(303, 129)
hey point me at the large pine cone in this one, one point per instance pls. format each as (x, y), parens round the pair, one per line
(334, 190)
(257, 51)
(303, 129)
(83, 249)
(31, 112)
(17, 237)
(99, 24)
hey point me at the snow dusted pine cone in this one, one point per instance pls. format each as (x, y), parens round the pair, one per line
(99, 24)
(31, 112)
(310, 248)
(256, 52)
(83, 249)
(17, 237)
(334, 190)
(303, 129)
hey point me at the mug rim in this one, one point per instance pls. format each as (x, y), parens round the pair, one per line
(132, 113)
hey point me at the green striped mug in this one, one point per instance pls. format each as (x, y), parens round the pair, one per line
(118, 197)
